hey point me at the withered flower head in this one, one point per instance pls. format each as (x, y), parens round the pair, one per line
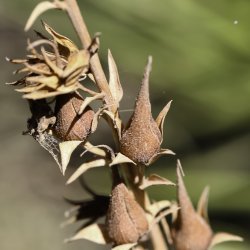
(70, 125)
(126, 221)
(51, 73)
(142, 138)
(191, 229)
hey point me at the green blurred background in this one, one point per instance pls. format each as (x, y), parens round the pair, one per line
(201, 52)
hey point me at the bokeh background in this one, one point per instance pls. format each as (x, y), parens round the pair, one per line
(201, 52)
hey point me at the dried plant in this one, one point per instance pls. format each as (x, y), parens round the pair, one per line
(56, 70)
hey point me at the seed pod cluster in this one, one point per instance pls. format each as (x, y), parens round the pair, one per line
(69, 124)
(126, 221)
(142, 138)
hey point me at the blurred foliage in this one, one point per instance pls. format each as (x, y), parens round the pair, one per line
(201, 52)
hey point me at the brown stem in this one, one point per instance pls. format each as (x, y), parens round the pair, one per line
(95, 65)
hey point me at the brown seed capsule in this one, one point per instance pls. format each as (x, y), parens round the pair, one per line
(69, 124)
(142, 138)
(126, 221)
(191, 231)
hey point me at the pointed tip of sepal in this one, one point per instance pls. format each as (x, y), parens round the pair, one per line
(162, 115)
(96, 233)
(39, 10)
(203, 204)
(66, 150)
(179, 170)
(114, 80)
(85, 167)
(224, 237)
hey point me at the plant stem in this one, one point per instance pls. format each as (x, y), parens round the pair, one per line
(95, 65)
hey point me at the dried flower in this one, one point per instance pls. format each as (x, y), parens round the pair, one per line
(52, 73)
(141, 140)
(70, 125)
(191, 229)
(126, 221)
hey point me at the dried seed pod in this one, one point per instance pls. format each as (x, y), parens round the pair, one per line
(142, 138)
(69, 124)
(191, 230)
(126, 221)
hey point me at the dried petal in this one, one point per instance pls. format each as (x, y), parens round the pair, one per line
(78, 63)
(126, 221)
(31, 88)
(69, 124)
(60, 39)
(46, 93)
(142, 138)
(49, 81)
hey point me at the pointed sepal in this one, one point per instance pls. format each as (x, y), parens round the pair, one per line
(161, 117)
(119, 159)
(114, 80)
(125, 246)
(158, 206)
(39, 10)
(223, 237)
(203, 204)
(60, 39)
(96, 233)
(85, 167)
(66, 150)
(153, 180)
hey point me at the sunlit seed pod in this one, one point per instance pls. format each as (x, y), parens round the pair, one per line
(126, 221)
(142, 138)
(69, 124)
(191, 230)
